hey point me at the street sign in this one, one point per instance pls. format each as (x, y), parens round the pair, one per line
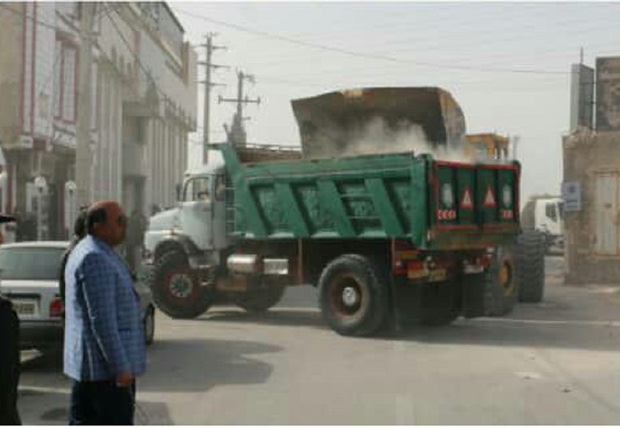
(571, 193)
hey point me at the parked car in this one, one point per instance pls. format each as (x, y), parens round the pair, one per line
(29, 278)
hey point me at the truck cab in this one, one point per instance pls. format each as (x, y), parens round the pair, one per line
(546, 215)
(197, 223)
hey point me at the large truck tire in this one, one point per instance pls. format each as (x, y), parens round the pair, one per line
(353, 295)
(502, 282)
(176, 289)
(441, 304)
(531, 266)
(261, 299)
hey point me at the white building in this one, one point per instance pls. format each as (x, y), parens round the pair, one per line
(144, 105)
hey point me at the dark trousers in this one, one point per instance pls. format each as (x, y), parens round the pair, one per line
(102, 403)
(9, 364)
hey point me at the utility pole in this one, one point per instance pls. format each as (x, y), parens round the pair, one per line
(237, 132)
(208, 85)
(83, 158)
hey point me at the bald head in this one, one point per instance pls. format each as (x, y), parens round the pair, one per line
(106, 221)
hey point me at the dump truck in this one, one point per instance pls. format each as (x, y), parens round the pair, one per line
(387, 234)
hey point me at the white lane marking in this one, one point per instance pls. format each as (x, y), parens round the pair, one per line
(529, 375)
(44, 389)
(583, 323)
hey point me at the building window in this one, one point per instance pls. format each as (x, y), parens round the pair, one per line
(69, 83)
(57, 78)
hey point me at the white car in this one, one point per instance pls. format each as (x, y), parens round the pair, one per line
(29, 274)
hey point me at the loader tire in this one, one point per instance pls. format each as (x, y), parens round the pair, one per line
(177, 290)
(260, 300)
(353, 295)
(502, 282)
(531, 266)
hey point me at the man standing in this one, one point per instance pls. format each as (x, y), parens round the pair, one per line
(104, 348)
(136, 229)
(9, 357)
(9, 363)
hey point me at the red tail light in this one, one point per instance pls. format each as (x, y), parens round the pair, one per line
(56, 308)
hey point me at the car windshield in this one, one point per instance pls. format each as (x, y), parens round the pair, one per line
(30, 263)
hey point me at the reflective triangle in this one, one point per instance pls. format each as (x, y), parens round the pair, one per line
(466, 201)
(489, 198)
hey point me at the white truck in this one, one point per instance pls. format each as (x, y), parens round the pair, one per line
(546, 215)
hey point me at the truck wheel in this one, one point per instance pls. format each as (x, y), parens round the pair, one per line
(441, 304)
(502, 282)
(260, 300)
(353, 296)
(531, 267)
(176, 290)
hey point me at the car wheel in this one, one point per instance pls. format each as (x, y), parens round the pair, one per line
(149, 325)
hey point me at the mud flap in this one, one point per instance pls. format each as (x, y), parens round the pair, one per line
(473, 295)
(405, 303)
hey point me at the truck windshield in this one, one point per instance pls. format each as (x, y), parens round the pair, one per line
(197, 189)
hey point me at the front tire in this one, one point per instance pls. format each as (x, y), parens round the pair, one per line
(177, 290)
(353, 295)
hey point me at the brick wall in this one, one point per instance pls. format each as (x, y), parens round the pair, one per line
(587, 154)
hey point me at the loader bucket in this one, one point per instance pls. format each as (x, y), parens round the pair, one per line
(378, 120)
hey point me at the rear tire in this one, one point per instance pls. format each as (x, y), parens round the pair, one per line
(176, 289)
(353, 295)
(531, 267)
(502, 282)
(261, 299)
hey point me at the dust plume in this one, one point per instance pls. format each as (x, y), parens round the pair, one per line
(377, 136)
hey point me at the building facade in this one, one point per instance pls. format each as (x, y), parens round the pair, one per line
(591, 184)
(143, 92)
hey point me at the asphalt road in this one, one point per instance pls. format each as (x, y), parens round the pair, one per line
(550, 363)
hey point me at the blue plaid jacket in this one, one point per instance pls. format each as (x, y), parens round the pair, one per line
(103, 324)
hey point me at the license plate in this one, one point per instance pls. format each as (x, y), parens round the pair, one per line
(417, 273)
(437, 275)
(25, 307)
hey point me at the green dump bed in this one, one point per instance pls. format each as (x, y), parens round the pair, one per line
(437, 205)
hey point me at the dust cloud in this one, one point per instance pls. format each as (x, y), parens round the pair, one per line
(377, 136)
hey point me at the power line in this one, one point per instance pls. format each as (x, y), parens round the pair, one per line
(367, 55)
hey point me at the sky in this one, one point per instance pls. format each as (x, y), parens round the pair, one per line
(506, 64)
